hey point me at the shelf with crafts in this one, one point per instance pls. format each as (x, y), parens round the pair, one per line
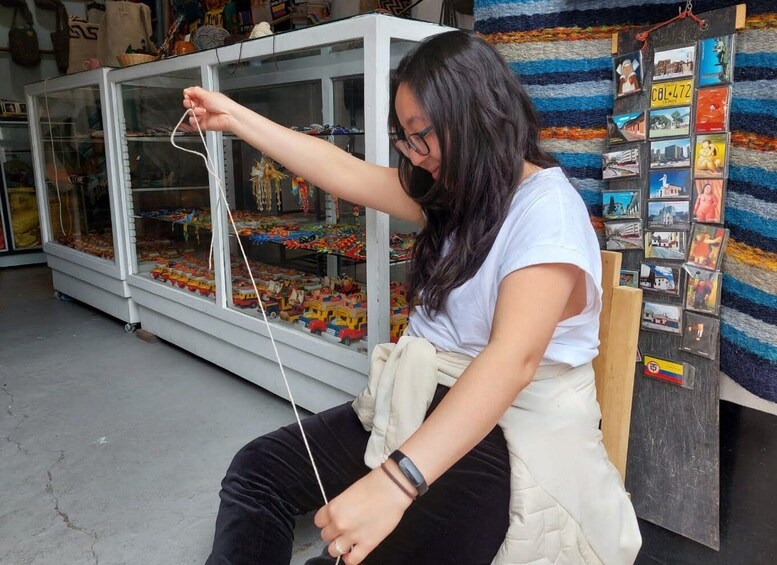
(329, 299)
(82, 228)
(20, 241)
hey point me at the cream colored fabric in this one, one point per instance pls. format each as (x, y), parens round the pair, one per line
(567, 503)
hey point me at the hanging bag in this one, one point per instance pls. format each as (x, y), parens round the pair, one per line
(22, 39)
(60, 39)
(125, 24)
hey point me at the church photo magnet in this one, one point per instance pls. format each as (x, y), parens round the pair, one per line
(675, 183)
(668, 214)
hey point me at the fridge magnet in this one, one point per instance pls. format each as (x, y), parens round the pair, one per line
(628, 74)
(623, 236)
(629, 278)
(670, 122)
(706, 246)
(700, 335)
(712, 106)
(670, 184)
(620, 204)
(620, 164)
(670, 153)
(702, 290)
(668, 214)
(710, 155)
(715, 60)
(672, 372)
(661, 317)
(677, 62)
(669, 245)
(708, 201)
(659, 278)
(671, 93)
(626, 127)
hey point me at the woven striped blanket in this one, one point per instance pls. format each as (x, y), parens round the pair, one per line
(561, 49)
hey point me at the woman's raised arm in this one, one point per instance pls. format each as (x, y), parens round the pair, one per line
(318, 161)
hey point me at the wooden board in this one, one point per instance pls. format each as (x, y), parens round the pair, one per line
(673, 457)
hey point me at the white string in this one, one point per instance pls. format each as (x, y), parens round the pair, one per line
(211, 167)
(54, 155)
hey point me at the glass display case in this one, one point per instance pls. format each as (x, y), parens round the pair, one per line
(330, 275)
(20, 240)
(82, 230)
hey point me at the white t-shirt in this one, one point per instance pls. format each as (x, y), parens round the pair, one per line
(547, 223)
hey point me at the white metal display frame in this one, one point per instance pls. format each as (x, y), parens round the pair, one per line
(99, 282)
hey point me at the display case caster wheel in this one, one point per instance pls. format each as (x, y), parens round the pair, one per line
(131, 328)
(61, 296)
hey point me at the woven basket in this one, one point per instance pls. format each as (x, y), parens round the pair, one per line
(129, 59)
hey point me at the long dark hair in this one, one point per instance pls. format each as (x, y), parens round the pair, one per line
(486, 127)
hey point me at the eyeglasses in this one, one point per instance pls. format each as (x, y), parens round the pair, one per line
(414, 142)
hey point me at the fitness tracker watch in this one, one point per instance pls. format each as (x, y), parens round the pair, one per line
(410, 471)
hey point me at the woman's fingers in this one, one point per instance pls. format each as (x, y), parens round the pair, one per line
(340, 546)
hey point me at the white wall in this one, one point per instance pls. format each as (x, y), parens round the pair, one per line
(12, 76)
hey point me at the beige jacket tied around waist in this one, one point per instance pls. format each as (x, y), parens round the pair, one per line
(567, 502)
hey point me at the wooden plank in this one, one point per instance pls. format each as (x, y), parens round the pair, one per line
(611, 268)
(614, 43)
(741, 16)
(619, 374)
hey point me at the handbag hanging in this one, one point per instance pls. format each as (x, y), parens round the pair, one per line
(22, 39)
(60, 39)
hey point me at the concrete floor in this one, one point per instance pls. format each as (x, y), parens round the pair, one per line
(113, 448)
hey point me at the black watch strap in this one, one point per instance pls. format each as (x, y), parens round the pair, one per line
(410, 471)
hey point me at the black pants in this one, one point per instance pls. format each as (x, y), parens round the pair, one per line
(461, 520)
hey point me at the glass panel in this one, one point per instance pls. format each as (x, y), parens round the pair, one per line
(305, 249)
(19, 182)
(75, 167)
(170, 202)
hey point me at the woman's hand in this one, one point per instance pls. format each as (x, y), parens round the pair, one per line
(362, 516)
(213, 110)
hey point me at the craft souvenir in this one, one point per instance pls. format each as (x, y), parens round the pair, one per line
(661, 317)
(700, 335)
(710, 155)
(708, 201)
(671, 93)
(706, 246)
(716, 60)
(670, 122)
(670, 184)
(626, 127)
(620, 204)
(623, 236)
(668, 245)
(712, 106)
(668, 214)
(681, 374)
(621, 164)
(702, 290)
(628, 74)
(629, 278)
(670, 153)
(663, 279)
(677, 62)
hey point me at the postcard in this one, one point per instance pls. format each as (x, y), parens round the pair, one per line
(670, 184)
(620, 164)
(678, 62)
(659, 278)
(670, 122)
(710, 155)
(626, 127)
(628, 74)
(669, 214)
(702, 290)
(706, 246)
(620, 204)
(700, 335)
(716, 60)
(661, 317)
(623, 236)
(669, 245)
(670, 153)
(708, 201)
(712, 106)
